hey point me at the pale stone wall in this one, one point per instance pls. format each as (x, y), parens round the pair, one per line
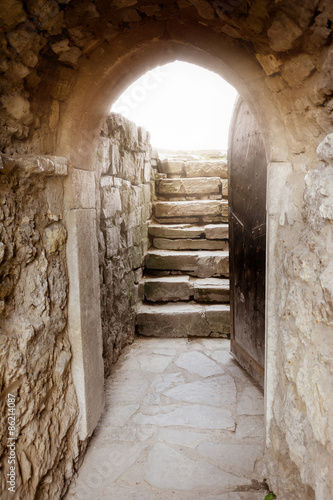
(124, 206)
(35, 350)
(300, 431)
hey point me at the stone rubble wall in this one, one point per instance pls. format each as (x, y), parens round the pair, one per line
(300, 447)
(124, 205)
(35, 350)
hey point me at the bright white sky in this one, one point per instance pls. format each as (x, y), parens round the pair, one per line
(183, 106)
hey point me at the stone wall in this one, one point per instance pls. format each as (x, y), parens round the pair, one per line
(300, 432)
(124, 205)
(35, 369)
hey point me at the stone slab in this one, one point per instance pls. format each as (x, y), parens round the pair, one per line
(188, 208)
(207, 392)
(231, 457)
(189, 186)
(183, 320)
(203, 264)
(217, 231)
(211, 290)
(189, 244)
(194, 415)
(177, 220)
(208, 168)
(170, 288)
(173, 167)
(169, 469)
(198, 363)
(175, 231)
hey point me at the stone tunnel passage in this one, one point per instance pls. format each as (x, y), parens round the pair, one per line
(182, 420)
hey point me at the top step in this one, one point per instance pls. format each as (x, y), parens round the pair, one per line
(203, 168)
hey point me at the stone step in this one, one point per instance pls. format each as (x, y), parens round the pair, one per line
(190, 186)
(203, 264)
(178, 231)
(214, 208)
(180, 288)
(194, 168)
(189, 244)
(207, 168)
(183, 320)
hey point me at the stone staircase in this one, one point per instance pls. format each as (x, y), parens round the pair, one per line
(185, 287)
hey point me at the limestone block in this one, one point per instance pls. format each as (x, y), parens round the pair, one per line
(177, 220)
(218, 317)
(297, 69)
(173, 288)
(112, 240)
(269, 63)
(203, 263)
(283, 33)
(182, 320)
(325, 149)
(211, 290)
(83, 188)
(172, 167)
(188, 244)
(187, 208)
(208, 168)
(217, 231)
(225, 188)
(198, 185)
(34, 164)
(111, 201)
(175, 231)
(84, 317)
(55, 237)
(103, 155)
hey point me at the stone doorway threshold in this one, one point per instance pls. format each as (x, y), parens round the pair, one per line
(182, 421)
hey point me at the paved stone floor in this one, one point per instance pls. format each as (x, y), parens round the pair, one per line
(182, 421)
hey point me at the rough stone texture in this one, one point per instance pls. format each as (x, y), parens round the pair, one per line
(183, 320)
(209, 168)
(203, 264)
(125, 207)
(300, 432)
(183, 244)
(187, 208)
(185, 186)
(175, 231)
(217, 231)
(175, 288)
(36, 353)
(62, 64)
(171, 433)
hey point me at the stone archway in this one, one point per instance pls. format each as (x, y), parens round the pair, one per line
(278, 57)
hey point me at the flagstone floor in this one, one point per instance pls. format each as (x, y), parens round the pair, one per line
(182, 421)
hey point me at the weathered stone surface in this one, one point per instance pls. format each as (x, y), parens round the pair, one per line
(172, 167)
(217, 231)
(200, 364)
(177, 220)
(183, 320)
(203, 264)
(184, 244)
(166, 289)
(124, 208)
(208, 168)
(204, 185)
(187, 208)
(175, 231)
(168, 468)
(211, 290)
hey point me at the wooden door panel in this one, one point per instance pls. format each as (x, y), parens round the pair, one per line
(247, 219)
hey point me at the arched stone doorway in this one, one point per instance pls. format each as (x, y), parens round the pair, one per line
(274, 62)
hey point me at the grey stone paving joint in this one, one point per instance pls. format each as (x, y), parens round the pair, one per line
(182, 421)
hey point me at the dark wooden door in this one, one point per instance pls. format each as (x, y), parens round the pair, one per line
(247, 219)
